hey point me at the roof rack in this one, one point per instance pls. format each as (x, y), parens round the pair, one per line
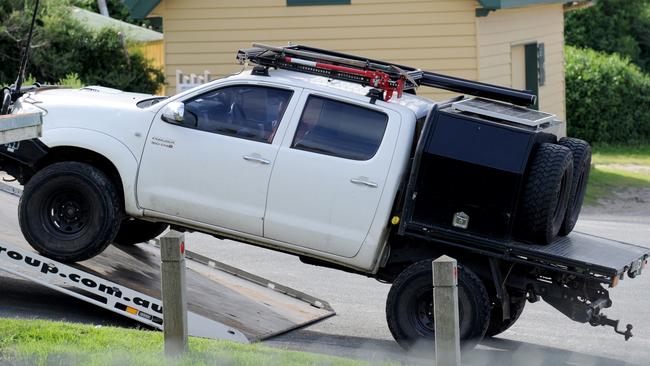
(387, 77)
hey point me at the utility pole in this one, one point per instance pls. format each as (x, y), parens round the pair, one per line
(103, 9)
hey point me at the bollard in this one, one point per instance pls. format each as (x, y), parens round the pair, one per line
(172, 256)
(445, 311)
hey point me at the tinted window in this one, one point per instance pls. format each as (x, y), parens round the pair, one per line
(339, 129)
(250, 112)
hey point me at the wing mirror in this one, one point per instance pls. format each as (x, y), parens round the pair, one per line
(173, 112)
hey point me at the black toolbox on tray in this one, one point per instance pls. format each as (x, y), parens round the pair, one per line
(472, 165)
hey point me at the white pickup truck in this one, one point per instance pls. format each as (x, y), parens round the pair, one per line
(298, 156)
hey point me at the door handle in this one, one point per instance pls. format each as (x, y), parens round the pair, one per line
(364, 182)
(257, 159)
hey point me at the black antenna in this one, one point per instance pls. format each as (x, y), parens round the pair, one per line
(23, 59)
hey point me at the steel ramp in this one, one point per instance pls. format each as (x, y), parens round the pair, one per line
(223, 302)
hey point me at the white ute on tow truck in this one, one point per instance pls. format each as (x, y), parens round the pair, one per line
(331, 157)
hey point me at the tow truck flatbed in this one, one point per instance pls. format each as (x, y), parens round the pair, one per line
(223, 302)
(20, 127)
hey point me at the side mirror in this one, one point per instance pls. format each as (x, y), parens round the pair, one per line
(173, 112)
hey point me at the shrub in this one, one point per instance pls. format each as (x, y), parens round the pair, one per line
(62, 45)
(607, 98)
(613, 26)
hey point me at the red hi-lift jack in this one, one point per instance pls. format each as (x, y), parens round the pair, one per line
(376, 79)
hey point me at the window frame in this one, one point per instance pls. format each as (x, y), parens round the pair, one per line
(193, 97)
(358, 104)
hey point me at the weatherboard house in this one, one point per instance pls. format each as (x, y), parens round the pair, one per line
(517, 43)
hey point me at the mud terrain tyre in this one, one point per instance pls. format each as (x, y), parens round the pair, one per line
(69, 211)
(134, 231)
(546, 194)
(409, 307)
(497, 324)
(581, 166)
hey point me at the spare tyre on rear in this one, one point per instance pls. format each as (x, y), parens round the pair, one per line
(547, 187)
(581, 166)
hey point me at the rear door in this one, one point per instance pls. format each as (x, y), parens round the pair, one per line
(330, 173)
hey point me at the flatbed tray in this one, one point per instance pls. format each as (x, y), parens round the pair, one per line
(604, 255)
(578, 253)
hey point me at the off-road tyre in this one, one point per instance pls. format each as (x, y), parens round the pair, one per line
(70, 211)
(497, 324)
(581, 167)
(546, 194)
(409, 307)
(134, 231)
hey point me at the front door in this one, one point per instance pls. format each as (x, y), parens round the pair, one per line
(329, 175)
(214, 167)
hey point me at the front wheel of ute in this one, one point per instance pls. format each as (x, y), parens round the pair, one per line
(69, 211)
(409, 307)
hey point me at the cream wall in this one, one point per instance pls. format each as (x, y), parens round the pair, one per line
(435, 35)
(438, 35)
(501, 30)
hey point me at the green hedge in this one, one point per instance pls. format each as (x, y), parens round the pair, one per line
(612, 26)
(607, 98)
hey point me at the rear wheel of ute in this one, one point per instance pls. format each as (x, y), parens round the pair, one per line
(409, 307)
(581, 166)
(546, 194)
(69, 211)
(134, 231)
(497, 324)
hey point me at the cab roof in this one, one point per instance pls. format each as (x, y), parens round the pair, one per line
(418, 105)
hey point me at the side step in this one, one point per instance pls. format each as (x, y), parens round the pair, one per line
(223, 302)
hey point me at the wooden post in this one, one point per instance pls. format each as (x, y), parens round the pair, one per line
(445, 311)
(172, 255)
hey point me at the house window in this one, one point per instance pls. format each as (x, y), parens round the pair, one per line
(317, 2)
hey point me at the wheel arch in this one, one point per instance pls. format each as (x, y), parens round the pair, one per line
(97, 149)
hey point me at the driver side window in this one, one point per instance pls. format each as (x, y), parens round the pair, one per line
(245, 111)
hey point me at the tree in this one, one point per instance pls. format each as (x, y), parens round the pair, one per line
(62, 46)
(613, 26)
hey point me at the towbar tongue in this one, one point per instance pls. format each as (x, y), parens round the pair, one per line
(602, 319)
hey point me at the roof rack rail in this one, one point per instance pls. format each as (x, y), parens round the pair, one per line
(389, 77)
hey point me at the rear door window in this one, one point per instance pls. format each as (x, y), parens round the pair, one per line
(339, 129)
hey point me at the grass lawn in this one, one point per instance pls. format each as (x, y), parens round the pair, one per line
(616, 168)
(607, 154)
(39, 342)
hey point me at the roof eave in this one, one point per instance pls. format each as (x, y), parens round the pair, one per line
(140, 9)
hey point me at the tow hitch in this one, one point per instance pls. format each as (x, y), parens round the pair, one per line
(584, 305)
(602, 319)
